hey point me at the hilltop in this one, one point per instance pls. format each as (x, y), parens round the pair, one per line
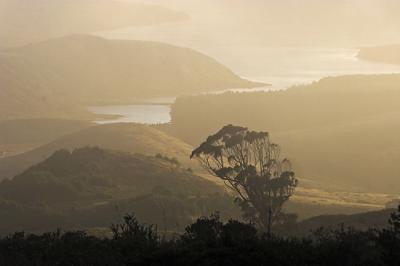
(361, 221)
(94, 174)
(61, 77)
(89, 187)
(134, 138)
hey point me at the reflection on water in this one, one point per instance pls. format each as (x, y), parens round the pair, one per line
(146, 114)
(282, 67)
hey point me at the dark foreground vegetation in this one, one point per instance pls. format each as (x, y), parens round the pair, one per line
(208, 241)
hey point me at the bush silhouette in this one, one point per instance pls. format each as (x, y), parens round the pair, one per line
(208, 241)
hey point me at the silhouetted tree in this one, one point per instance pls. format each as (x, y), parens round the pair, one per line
(205, 230)
(135, 232)
(390, 240)
(394, 221)
(249, 164)
(208, 241)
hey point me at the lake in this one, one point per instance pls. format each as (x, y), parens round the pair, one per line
(136, 113)
(280, 66)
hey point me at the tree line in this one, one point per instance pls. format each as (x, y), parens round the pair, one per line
(208, 241)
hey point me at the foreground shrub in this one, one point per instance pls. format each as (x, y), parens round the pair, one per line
(208, 241)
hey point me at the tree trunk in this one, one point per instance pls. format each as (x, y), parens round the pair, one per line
(269, 225)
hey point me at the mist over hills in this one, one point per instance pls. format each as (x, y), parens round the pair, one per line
(333, 130)
(296, 23)
(23, 22)
(60, 77)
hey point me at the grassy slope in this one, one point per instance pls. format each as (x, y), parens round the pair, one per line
(123, 137)
(95, 196)
(361, 221)
(340, 130)
(94, 174)
(90, 186)
(311, 198)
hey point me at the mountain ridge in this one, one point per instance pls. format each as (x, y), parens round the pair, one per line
(135, 138)
(61, 77)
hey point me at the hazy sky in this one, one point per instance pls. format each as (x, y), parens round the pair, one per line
(290, 22)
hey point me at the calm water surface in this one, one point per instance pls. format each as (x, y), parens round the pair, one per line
(280, 66)
(146, 114)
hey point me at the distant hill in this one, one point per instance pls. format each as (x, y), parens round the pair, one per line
(133, 138)
(91, 187)
(389, 54)
(60, 77)
(94, 174)
(18, 136)
(23, 22)
(343, 130)
(361, 221)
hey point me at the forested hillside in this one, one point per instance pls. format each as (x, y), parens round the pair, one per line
(332, 129)
(132, 138)
(92, 187)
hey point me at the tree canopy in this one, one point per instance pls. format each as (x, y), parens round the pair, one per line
(249, 164)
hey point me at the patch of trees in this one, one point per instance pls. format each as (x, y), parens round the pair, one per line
(172, 212)
(208, 241)
(173, 161)
(89, 175)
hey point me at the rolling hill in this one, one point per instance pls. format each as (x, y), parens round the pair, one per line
(311, 198)
(91, 187)
(132, 138)
(23, 22)
(333, 130)
(362, 221)
(94, 174)
(61, 77)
